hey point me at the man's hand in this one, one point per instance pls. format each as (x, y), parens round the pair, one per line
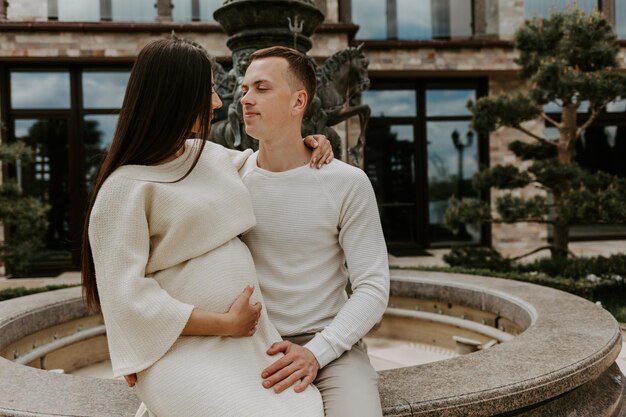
(322, 150)
(298, 365)
(131, 379)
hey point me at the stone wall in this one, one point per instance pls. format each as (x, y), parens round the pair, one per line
(27, 10)
(510, 16)
(519, 238)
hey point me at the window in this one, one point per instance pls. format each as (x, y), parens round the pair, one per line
(545, 7)
(68, 115)
(129, 11)
(413, 19)
(420, 151)
(188, 10)
(620, 19)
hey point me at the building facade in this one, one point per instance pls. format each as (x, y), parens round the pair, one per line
(64, 65)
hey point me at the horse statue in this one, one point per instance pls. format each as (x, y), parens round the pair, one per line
(342, 77)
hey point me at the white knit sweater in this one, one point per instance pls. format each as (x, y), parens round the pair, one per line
(311, 224)
(148, 234)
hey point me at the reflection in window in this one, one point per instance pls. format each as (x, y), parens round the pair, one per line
(545, 8)
(124, 10)
(412, 19)
(79, 10)
(207, 7)
(390, 165)
(40, 90)
(48, 178)
(370, 16)
(620, 19)
(390, 103)
(104, 90)
(448, 102)
(452, 162)
(98, 131)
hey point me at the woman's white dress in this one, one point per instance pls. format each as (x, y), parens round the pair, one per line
(162, 247)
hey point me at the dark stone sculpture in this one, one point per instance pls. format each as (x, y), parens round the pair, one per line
(256, 24)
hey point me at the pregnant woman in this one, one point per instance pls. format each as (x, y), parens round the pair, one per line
(162, 258)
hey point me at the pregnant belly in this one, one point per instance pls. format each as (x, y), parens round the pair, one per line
(214, 280)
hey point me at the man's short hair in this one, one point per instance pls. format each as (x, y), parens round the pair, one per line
(300, 68)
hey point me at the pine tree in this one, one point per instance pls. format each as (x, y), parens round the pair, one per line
(567, 59)
(24, 218)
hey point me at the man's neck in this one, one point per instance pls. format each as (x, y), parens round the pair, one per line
(283, 153)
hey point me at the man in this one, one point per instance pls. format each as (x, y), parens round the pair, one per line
(316, 231)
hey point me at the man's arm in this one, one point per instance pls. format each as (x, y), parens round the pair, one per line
(363, 243)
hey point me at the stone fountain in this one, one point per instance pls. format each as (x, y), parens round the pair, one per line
(256, 24)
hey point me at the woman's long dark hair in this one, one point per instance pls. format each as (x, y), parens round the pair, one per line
(169, 89)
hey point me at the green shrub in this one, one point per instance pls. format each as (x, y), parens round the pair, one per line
(477, 258)
(8, 293)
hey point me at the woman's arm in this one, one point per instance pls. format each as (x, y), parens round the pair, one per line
(239, 321)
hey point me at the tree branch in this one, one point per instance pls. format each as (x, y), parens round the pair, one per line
(551, 120)
(532, 135)
(594, 114)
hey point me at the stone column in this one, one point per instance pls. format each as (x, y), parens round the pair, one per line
(392, 19)
(106, 10)
(345, 11)
(53, 9)
(479, 15)
(164, 10)
(3, 9)
(608, 9)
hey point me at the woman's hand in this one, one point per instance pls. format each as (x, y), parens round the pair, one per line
(322, 150)
(243, 317)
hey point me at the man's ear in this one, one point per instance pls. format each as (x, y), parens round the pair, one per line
(300, 102)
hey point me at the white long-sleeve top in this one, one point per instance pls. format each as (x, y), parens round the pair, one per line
(162, 247)
(311, 224)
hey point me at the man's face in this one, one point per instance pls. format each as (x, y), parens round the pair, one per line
(267, 98)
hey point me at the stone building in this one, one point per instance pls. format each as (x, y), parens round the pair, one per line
(64, 65)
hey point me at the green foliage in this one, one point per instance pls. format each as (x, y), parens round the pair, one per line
(516, 209)
(503, 177)
(477, 258)
(23, 217)
(505, 110)
(532, 151)
(466, 211)
(8, 293)
(549, 173)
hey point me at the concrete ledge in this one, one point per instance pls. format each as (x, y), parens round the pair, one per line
(561, 364)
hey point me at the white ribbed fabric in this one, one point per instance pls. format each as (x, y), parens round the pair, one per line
(311, 224)
(161, 248)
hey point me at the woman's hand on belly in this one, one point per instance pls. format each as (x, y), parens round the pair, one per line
(240, 320)
(243, 316)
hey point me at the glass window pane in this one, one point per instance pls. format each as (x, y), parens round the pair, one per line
(433, 19)
(620, 19)
(207, 7)
(448, 102)
(48, 178)
(546, 7)
(98, 131)
(104, 90)
(452, 162)
(181, 11)
(40, 90)
(370, 16)
(390, 103)
(618, 105)
(390, 165)
(79, 10)
(136, 10)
